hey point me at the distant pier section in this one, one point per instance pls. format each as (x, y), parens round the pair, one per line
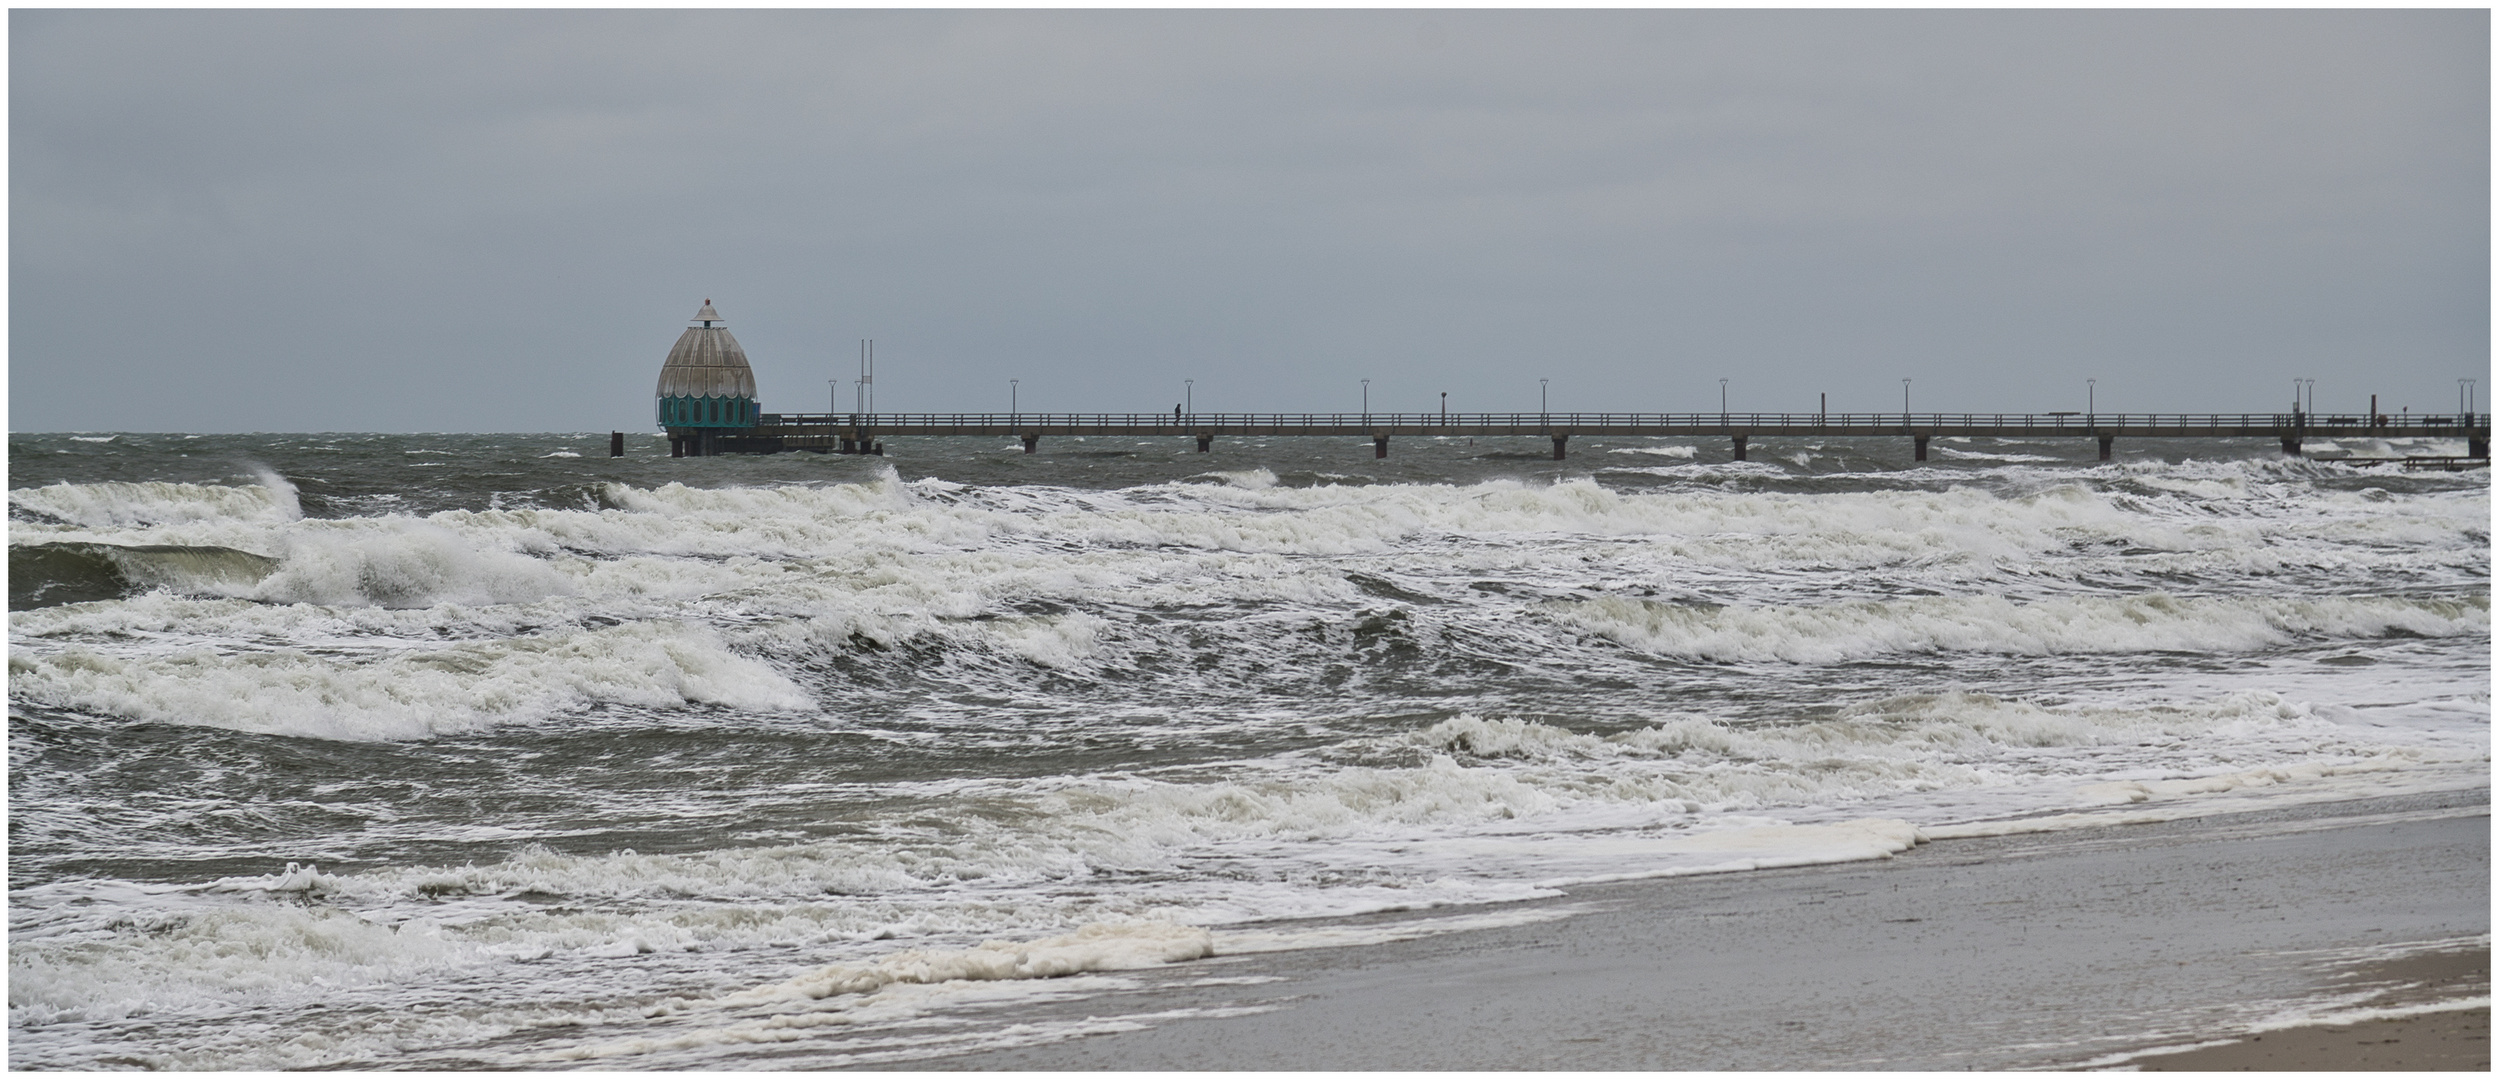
(706, 401)
(855, 433)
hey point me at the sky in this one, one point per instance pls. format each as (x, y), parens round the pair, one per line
(501, 220)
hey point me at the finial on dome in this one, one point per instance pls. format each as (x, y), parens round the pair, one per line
(707, 316)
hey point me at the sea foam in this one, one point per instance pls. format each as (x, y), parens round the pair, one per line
(1992, 624)
(410, 693)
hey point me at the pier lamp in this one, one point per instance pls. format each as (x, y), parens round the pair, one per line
(1188, 395)
(1722, 401)
(1366, 401)
(2091, 400)
(2464, 396)
(1904, 401)
(1544, 407)
(832, 396)
(1012, 403)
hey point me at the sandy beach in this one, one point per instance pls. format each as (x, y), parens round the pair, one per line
(2074, 949)
(2445, 1037)
(2457, 1041)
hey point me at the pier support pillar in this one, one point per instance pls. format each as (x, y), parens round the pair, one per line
(615, 444)
(2477, 446)
(850, 445)
(1032, 443)
(676, 446)
(1739, 447)
(877, 449)
(1379, 446)
(2106, 441)
(1920, 441)
(1205, 442)
(1560, 441)
(2290, 444)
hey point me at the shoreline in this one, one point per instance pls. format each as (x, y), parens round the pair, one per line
(2447, 1041)
(2092, 948)
(2428, 1010)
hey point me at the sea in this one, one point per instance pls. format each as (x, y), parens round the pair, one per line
(467, 751)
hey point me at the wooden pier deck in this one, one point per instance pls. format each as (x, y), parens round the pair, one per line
(864, 433)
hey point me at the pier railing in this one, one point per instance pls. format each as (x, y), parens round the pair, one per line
(863, 433)
(1596, 423)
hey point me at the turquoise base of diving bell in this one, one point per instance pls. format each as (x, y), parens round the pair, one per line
(708, 412)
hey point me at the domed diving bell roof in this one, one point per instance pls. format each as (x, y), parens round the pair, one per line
(706, 362)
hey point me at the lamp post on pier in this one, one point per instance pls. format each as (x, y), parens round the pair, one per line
(1722, 402)
(1904, 401)
(2464, 397)
(2091, 403)
(1544, 407)
(1366, 402)
(867, 375)
(1188, 395)
(1012, 403)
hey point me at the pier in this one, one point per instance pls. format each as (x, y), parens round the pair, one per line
(858, 433)
(707, 403)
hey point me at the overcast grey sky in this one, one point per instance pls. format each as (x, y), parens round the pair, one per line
(500, 221)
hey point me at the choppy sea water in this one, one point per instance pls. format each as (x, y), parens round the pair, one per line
(492, 751)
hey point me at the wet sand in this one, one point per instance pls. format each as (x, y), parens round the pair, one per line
(2065, 949)
(2441, 1042)
(2448, 1039)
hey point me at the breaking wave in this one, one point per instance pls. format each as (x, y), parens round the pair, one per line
(44, 575)
(157, 502)
(411, 693)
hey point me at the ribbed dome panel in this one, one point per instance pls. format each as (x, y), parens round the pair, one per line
(706, 362)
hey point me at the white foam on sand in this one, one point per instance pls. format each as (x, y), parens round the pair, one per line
(1530, 808)
(1099, 947)
(2334, 1006)
(836, 996)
